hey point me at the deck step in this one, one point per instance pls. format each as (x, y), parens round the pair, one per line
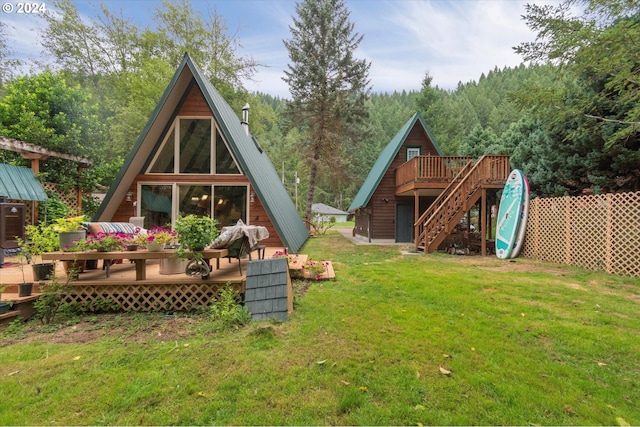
(22, 307)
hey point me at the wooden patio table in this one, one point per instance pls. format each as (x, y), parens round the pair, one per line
(140, 257)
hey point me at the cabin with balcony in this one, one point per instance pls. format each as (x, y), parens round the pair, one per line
(195, 156)
(414, 194)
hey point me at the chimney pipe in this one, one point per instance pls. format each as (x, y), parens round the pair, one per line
(245, 118)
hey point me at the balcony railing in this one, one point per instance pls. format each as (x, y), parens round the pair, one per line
(430, 169)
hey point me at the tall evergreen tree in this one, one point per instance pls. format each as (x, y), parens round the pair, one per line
(327, 83)
(593, 107)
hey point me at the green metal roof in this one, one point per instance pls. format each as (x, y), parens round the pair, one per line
(384, 160)
(253, 161)
(18, 183)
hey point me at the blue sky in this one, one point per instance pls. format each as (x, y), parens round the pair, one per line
(453, 40)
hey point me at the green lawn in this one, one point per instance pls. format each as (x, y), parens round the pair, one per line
(394, 340)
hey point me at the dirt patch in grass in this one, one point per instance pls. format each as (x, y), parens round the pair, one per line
(575, 286)
(518, 265)
(106, 325)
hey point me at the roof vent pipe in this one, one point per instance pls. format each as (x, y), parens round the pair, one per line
(245, 118)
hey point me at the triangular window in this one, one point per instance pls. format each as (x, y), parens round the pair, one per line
(196, 145)
(224, 160)
(164, 160)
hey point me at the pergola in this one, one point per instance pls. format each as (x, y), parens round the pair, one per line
(35, 153)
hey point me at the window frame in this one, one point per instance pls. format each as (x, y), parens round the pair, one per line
(410, 149)
(175, 130)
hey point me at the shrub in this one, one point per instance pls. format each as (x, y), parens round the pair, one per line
(227, 309)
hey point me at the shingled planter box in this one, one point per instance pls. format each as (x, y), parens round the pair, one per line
(268, 291)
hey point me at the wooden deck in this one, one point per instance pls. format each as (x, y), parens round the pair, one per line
(156, 291)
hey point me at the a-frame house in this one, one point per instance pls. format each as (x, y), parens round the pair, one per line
(195, 156)
(414, 194)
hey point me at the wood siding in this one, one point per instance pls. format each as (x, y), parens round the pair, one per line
(383, 213)
(195, 105)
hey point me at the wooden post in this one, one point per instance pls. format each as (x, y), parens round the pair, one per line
(482, 222)
(416, 215)
(35, 167)
(79, 191)
(567, 224)
(608, 255)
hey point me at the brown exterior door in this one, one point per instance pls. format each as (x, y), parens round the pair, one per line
(404, 222)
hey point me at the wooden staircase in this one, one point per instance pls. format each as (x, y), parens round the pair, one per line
(464, 191)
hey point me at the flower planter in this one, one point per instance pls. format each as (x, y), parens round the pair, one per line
(68, 237)
(154, 247)
(4, 307)
(43, 271)
(173, 266)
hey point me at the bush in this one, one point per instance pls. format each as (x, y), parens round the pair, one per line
(50, 300)
(227, 309)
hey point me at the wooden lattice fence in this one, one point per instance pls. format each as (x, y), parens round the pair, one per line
(69, 197)
(594, 232)
(147, 297)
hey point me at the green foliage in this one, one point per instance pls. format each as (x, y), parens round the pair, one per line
(591, 109)
(96, 305)
(75, 223)
(321, 224)
(579, 97)
(196, 232)
(53, 209)
(51, 299)
(227, 309)
(8, 62)
(40, 239)
(328, 88)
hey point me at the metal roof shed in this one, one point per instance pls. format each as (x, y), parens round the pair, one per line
(19, 183)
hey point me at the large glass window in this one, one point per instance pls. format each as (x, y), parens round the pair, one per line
(195, 146)
(164, 160)
(194, 199)
(230, 204)
(155, 205)
(226, 203)
(224, 161)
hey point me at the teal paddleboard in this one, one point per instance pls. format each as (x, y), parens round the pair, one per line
(509, 214)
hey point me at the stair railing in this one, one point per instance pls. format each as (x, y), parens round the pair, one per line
(489, 169)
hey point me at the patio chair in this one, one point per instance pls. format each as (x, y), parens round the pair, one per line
(239, 248)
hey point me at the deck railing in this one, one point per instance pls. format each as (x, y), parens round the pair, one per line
(452, 203)
(430, 169)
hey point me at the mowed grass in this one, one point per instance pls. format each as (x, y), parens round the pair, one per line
(394, 340)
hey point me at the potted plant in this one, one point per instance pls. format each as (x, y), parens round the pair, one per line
(4, 305)
(75, 266)
(24, 288)
(155, 239)
(102, 242)
(195, 233)
(69, 230)
(40, 239)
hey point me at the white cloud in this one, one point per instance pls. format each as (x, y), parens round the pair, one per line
(453, 40)
(458, 41)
